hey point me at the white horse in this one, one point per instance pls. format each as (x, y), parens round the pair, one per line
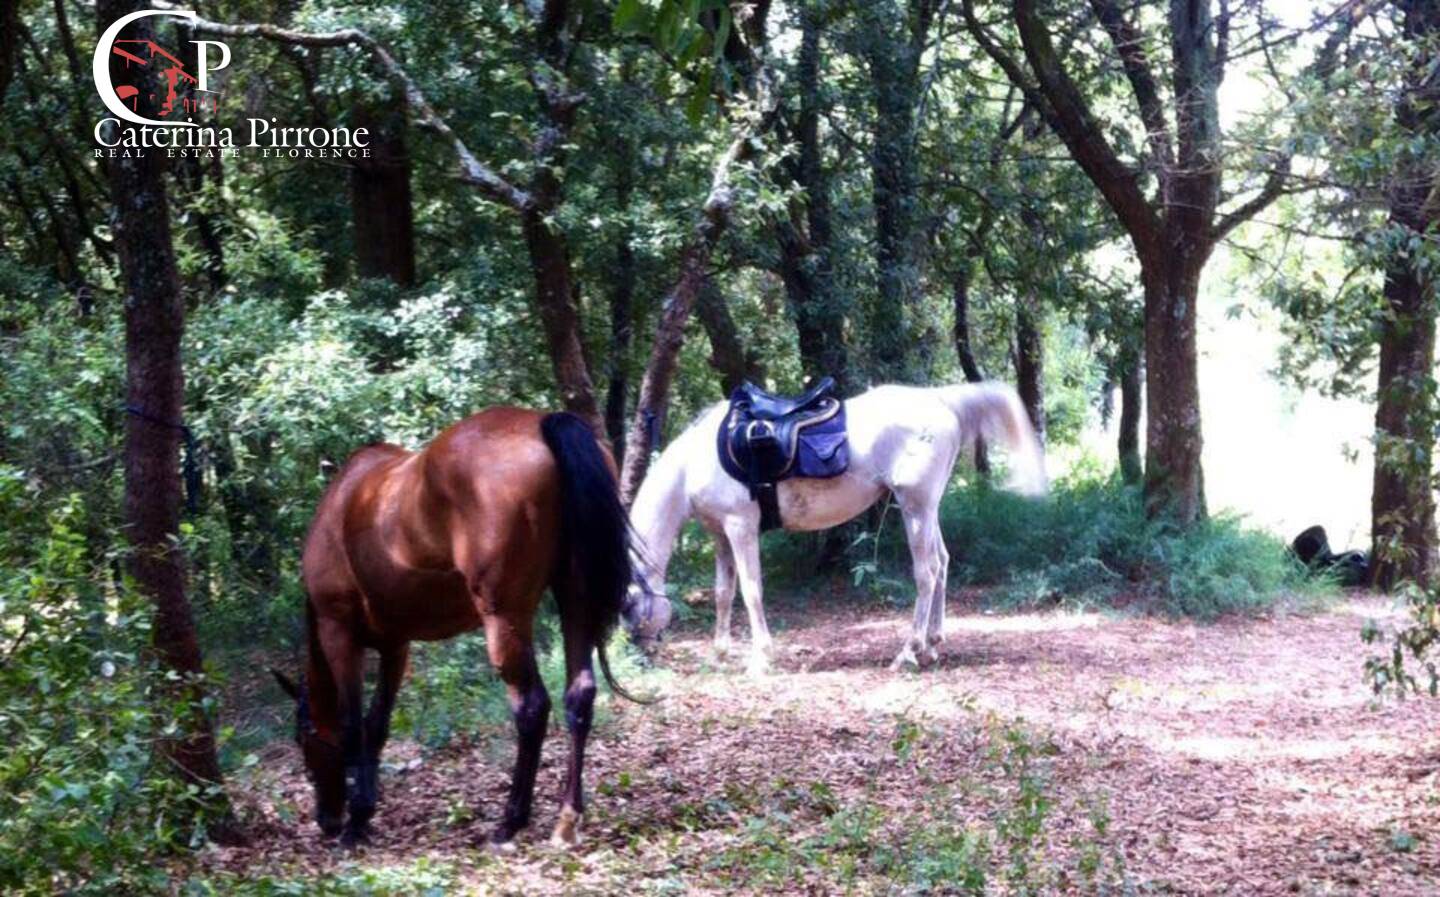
(903, 439)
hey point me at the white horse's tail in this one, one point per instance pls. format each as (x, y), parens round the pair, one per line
(993, 412)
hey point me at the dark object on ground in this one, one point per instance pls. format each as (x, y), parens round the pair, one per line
(768, 438)
(1312, 547)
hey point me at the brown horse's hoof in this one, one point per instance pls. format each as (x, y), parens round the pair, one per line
(353, 841)
(567, 829)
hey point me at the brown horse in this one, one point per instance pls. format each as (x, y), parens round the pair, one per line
(464, 534)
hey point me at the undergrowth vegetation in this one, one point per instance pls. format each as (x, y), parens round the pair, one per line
(1088, 543)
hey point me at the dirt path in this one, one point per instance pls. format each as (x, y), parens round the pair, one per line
(1239, 758)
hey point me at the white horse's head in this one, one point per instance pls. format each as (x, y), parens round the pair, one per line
(647, 612)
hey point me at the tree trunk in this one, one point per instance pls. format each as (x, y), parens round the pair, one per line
(1173, 484)
(900, 344)
(643, 436)
(1127, 443)
(154, 323)
(1402, 505)
(727, 350)
(965, 352)
(622, 329)
(555, 34)
(807, 265)
(964, 344)
(675, 310)
(550, 265)
(1030, 362)
(380, 196)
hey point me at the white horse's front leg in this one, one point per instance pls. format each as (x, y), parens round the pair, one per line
(724, 593)
(745, 548)
(922, 527)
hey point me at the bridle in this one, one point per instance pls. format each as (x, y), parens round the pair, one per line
(307, 730)
(646, 603)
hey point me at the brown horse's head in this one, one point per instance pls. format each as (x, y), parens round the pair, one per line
(324, 761)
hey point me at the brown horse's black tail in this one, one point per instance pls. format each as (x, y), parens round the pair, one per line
(595, 532)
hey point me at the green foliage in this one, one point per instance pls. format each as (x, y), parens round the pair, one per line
(1408, 646)
(1090, 543)
(82, 800)
(422, 878)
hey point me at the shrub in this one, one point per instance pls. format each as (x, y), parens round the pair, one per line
(81, 800)
(1089, 542)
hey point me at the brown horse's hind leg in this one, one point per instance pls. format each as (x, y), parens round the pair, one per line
(513, 654)
(579, 716)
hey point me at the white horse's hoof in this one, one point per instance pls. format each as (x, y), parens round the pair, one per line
(904, 661)
(931, 655)
(567, 829)
(758, 666)
(720, 649)
(936, 638)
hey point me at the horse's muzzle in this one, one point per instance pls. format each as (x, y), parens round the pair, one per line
(647, 614)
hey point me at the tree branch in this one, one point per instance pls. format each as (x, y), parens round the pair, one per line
(1060, 103)
(1273, 189)
(472, 170)
(1131, 48)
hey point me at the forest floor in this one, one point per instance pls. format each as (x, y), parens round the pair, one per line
(1047, 753)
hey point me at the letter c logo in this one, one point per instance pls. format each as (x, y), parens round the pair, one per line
(102, 67)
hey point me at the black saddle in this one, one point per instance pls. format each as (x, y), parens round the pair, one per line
(766, 439)
(768, 406)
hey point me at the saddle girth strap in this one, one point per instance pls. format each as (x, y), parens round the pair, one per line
(768, 495)
(762, 491)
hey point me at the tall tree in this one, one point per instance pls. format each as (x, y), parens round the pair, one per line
(1174, 231)
(742, 49)
(1403, 500)
(892, 41)
(622, 323)
(154, 392)
(807, 264)
(380, 203)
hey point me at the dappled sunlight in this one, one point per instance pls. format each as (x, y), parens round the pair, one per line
(1260, 749)
(1056, 621)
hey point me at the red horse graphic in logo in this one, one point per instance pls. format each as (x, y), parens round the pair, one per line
(147, 53)
(123, 101)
